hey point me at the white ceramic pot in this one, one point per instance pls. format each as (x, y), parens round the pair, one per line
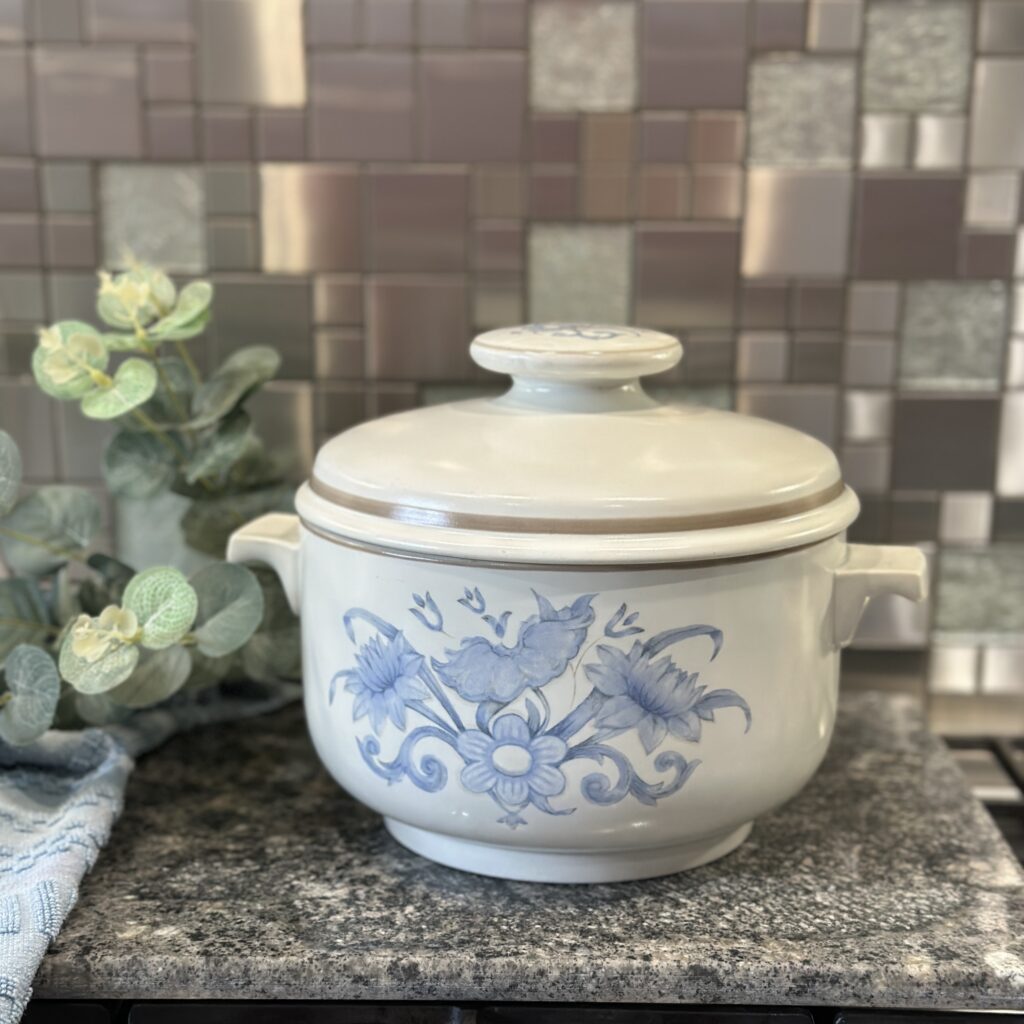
(570, 635)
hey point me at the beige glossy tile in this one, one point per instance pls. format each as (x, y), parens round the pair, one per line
(1002, 672)
(15, 126)
(251, 51)
(884, 140)
(310, 217)
(797, 222)
(564, 37)
(834, 26)
(331, 23)
(992, 200)
(338, 299)
(762, 356)
(953, 669)
(1010, 465)
(718, 138)
(997, 134)
(939, 141)
(867, 415)
(87, 102)
(965, 517)
(607, 138)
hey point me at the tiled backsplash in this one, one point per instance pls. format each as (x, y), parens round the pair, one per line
(821, 197)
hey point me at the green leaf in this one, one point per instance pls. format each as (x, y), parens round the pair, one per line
(23, 616)
(221, 448)
(134, 383)
(189, 316)
(240, 374)
(34, 686)
(165, 604)
(99, 709)
(172, 399)
(121, 342)
(230, 607)
(137, 465)
(108, 671)
(10, 472)
(51, 525)
(210, 521)
(207, 671)
(274, 651)
(96, 594)
(158, 675)
(66, 358)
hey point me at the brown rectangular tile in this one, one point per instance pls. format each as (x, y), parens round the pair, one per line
(664, 137)
(331, 23)
(606, 191)
(908, 226)
(764, 304)
(472, 106)
(1001, 27)
(340, 406)
(443, 22)
(987, 254)
(663, 192)
(874, 307)
(338, 352)
(171, 132)
(694, 53)
(554, 192)
(338, 299)
(686, 274)
(19, 192)
(87, 102)
(498, 246)
(226, 134)
(19, 240)
(70, 241)
(946, 444)
(607, 138)
(817, 358)
(717, 192)
(55, 21)
(914, 517)
(779, 24)
(811, 408)
(499, 190)
(417, 328)
(167, 74)
(281, 134)
(388, 23)
(418, 219)
(869, 361)
(819, 305)
(362, 106)
(554, 138)
(500, 23)
(718, 138)
(497, 300)
(310, 217)
(140, 21)
(996, 133)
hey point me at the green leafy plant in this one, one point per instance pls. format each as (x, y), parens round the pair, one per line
(83, 637)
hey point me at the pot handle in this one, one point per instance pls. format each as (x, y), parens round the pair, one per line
(869, 570)
(274, 539)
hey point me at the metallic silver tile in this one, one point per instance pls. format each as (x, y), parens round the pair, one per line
(55, 21)
(15, 128)
(565, 37)
(866, 467)
(997, 133)
(580, 272)
(867, 415)
(21, 296)
(834, 25)
(338, 299)
(1018, 308)
(884, 140)
(873, 307)
(251, 51)
(283, 410)
(310, 218)
(1015, 364)
(154, 213)
(27, 415)
(809, 408)
(953, 669)
(917, 56)
(940, 141)
(444, 22)
(1001, 27)
(232, 243)
(762, 356)
(1002, 671)
(338, 352)
(802, 111)
(953, 335)
(965, 517)
(230, 189)
(67, 187)
(992, 200)
(797, 222)
(1010, 465)
(69, 240)
(869, 362)
(1018, 259)
(140, 21)
(87, 102)
(978, 590)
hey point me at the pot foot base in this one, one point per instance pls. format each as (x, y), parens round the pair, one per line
(568, 866)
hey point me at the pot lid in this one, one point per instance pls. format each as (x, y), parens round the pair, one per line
(576, 464)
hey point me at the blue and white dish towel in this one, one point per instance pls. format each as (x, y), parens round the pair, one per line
(59, 799)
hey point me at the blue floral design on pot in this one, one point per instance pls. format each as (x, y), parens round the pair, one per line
(519, 754)
(511, 762)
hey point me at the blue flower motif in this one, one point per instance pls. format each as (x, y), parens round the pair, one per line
(511, 762)
(654, 696)
(483, 671)
(384, 681)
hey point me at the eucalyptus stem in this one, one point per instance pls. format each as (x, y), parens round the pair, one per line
(38, 627)
(186, 358)
(155, 430)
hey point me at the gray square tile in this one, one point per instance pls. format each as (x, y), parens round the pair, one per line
(867, 415)
(497, 300)
(230, 189)
(869, 362)
(1001, 27)
(12, 21)
(67, 187)
(154, 213)
(992, 200)
(281, 135)
(338, 299)
(953, 335)
(55, 21)
(21, 296)
(168, 74)
(779, 24)
(283, 410)
(762, 356)
(874, 306)
(565, 36)
(834, 26)
(797, 222)
(866, 467)
(232, 243)
(965, 517)
(171, 132)
(884, 140)
(945, 443)
(686, 275)
(940, 141)
(580, 272)
(70, 241)
(26, 414)
(500, 24)
(917, 56)
(20, 240)
(140, 21)
(388, 23)
(331, 23)
(19, 192)
(810, 408)
(87, 102)
(15, 127)
(444, 22)
(339, 353)
(310, 218)
(802, 111)
(226, 133)
(817, 357)
(251, 52)
(72, 296)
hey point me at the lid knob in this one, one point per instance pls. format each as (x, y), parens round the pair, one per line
(573, 352)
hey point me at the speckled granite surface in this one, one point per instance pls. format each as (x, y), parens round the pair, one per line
(240, 870)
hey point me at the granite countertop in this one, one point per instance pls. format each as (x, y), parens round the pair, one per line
(240, 870)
